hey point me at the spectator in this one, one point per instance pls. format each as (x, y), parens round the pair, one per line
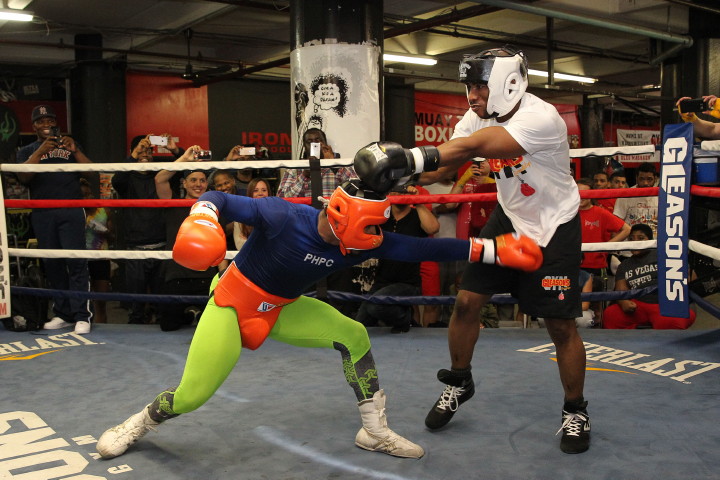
(640, 271)
(703, 128)
(142, 228)
(58, 228)
(636, 210)
(598, 226)
(394, 277)
(472, 216)
(296, 182)
(617, 180)
(257, 188)
(98, 235)
(179, 280)
(601, 180)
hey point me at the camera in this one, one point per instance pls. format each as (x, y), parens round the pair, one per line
(315, 150)
(696, 105)
(203, 154)
(158, 140)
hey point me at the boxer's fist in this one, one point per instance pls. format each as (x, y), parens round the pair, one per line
(384, 165)
(508, 250)
(200, 242)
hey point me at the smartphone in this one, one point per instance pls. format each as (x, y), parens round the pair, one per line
(315, 150)
(246, 151)
(158, 140)
(203, 155)
(55, 132)
(695, 105)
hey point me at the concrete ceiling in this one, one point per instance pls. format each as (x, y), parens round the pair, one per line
(615, 41)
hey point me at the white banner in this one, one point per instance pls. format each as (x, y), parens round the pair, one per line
(335, 87)
(638, 137)
(4, 262)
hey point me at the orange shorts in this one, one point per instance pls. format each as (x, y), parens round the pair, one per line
(257, 311)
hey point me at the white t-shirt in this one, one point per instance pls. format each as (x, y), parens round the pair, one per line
(536, 190)
(638, 210)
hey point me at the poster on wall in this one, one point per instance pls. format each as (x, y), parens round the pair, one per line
(336, 88)
(436, 115)
(638, 137)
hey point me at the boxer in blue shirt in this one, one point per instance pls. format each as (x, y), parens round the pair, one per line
(292, 246)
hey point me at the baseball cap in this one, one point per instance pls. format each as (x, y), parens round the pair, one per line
(42, 111)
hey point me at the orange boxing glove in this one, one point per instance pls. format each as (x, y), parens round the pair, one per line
(508, 250)
(200, 242)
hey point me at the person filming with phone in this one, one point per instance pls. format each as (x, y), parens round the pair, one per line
(58, 228)
(296, 182)
(688, 108)
(142, 228)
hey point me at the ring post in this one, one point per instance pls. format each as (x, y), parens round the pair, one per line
(673, 219)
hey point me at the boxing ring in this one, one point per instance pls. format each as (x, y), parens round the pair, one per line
(287, 413)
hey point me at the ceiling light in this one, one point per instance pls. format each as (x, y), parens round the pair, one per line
(389, 57)
(15, 15)
(562, 76)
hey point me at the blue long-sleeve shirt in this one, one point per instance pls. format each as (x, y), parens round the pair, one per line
(285, 254)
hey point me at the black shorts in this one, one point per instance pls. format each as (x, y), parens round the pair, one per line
(552, 291)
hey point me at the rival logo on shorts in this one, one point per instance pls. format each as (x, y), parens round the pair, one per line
(555, 282)
(265, 307)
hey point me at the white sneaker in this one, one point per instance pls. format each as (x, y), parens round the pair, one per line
(375, 434)
(55, 323)
(116, 440)
(82, 328)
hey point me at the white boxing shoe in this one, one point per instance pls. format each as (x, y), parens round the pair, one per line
(375, 434)
(116, 440)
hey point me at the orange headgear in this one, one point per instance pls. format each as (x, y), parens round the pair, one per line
(350, 210)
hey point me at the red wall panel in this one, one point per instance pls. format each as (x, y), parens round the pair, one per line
(161, 104)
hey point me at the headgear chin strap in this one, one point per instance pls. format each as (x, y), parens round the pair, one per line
(350, 210)
(503, 70)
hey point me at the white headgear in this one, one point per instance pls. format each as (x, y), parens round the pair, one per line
(503, 70)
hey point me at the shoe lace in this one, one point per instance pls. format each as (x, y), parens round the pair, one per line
(572, 423)
(448, 398)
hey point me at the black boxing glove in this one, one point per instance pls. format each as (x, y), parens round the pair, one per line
(384, 165)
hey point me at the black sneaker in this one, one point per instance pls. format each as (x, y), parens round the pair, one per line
(460, 388)
(575, 430)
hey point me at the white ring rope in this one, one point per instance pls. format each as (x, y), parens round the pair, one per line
(608, 151)
(167, 254)
(332, 162)
(171, 166)
(703, 249)
(710, 145)
(99, 254)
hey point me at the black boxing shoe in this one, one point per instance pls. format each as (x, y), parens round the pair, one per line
(460, 388)
(575, 428)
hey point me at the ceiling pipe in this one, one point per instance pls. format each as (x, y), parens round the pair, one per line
(685, 40)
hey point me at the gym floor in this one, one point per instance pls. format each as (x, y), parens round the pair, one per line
(287, 413)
